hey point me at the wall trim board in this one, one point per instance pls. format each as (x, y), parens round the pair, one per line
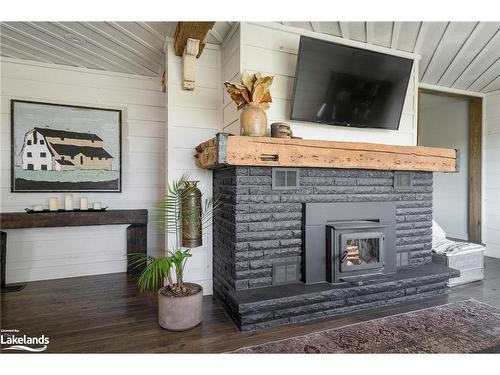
(416, 103)
(493, 92)
(449, 90)
(336, 39)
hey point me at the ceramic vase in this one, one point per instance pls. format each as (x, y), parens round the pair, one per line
(253, 120)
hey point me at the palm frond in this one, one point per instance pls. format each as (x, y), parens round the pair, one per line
(155, 272)
(138, 260)
(168, 211)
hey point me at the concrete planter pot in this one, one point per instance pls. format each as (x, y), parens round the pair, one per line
(180, 313)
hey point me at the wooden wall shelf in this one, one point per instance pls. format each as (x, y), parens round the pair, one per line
(136, 231)
(225, 150)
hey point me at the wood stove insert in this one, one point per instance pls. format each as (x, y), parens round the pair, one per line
(354, 248)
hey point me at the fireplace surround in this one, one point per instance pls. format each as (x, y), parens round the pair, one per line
(313, 228)
(345, 241)
(261, 233)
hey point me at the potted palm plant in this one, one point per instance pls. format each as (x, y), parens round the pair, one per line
(179, 302)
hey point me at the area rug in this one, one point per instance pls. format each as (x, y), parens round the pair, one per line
(460, 327)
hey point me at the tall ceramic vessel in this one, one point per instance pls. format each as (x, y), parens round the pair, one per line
(253, 120)
(191, 214)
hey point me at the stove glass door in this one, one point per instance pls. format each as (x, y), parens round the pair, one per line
(360, 251)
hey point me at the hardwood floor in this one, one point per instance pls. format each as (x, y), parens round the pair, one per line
(105, 313)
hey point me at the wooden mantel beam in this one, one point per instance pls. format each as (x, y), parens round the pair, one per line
(227, 150)
(190, 30)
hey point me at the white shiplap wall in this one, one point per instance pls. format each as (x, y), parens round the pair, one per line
(194, 117)
(492, 175)
(273, 50)
(49, 253)
(231, 65)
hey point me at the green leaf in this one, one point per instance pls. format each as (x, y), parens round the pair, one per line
(155, 272)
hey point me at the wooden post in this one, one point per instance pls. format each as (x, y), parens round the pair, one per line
(3, 260)
(475, 164)
(3, 256)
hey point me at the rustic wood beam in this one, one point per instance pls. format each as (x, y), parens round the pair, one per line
(190, 30)
(475, 152)
(277, 152)
(188, 43)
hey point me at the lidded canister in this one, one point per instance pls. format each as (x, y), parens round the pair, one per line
(191, 215)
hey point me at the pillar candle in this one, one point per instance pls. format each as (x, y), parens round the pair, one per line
(84, 203)
(68, 202)
(53, 204)
(97, 206)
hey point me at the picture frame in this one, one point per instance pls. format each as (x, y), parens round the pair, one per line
(65, 148)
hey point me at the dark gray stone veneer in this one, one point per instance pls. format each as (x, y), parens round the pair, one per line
(266, 307)
(257, 227)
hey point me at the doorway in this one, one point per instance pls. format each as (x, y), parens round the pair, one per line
(455, 121)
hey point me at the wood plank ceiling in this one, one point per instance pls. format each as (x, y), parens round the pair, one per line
(127, 47)
(461, 55)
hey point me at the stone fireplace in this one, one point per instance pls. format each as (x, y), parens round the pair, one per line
(339, 241)
(309, 229)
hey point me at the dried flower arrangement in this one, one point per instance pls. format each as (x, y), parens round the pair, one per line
(253, 89)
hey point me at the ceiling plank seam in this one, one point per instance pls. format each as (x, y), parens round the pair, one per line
(484, 48)
(435, 50)
(473, 33)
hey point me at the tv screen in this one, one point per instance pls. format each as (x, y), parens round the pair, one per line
(342, 85)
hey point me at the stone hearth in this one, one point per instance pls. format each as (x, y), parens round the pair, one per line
(259, 248)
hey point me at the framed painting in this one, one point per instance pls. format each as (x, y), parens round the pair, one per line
(65, 148)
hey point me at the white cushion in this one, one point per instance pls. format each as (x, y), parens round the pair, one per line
(437, 231)
(447, 247)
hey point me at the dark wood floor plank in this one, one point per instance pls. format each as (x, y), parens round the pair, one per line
(105, 313)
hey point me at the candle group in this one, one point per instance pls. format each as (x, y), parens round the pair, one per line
(68, 204)
(84, 203)
(53, 204)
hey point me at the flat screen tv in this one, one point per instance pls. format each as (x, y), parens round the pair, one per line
(341, 85)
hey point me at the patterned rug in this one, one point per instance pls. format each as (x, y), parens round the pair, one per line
(461, 327)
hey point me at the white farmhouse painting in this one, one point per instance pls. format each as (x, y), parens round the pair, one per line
(65, 148)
